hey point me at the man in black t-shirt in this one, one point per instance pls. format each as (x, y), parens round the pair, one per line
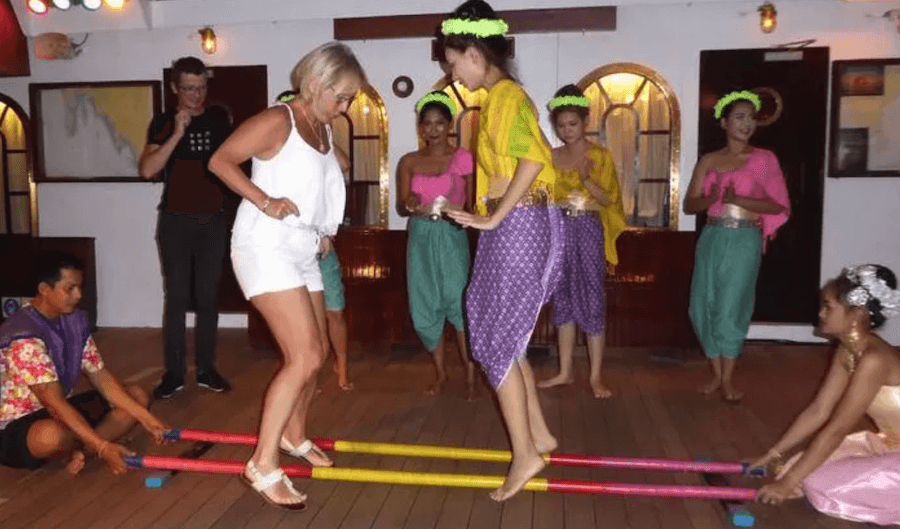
(193, 230)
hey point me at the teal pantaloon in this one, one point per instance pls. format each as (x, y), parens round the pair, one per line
(723, 288)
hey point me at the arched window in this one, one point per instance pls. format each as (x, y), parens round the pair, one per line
(363, 135)
(18, 208)
(465, 123)
(635, 114)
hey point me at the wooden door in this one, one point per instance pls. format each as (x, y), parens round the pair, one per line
(793, 84)
(243, 91)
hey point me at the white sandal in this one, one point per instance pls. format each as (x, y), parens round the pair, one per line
(302, 451)
(260, 483)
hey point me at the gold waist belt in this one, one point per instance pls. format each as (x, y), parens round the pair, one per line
(581, 212)
(732, 223)
(533, 198)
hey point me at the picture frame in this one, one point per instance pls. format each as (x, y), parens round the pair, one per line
(865, 119)
(91, 131)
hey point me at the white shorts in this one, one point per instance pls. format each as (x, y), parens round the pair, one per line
(260, 270)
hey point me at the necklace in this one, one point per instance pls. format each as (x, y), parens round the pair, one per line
(314, 129)
(855, 347)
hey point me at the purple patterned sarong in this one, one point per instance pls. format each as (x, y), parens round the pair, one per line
(580, 296)
(517, 268)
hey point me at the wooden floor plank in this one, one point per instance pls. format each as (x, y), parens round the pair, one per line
(655, 412)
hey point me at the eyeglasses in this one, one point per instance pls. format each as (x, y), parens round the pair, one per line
(192, 88)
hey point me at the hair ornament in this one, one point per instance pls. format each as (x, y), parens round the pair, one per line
(569, 101)
(481, 28)
(287, 97)
(437, 97)
(870, 286)
(729, 98)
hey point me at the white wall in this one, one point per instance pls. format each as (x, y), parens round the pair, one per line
(862, 216)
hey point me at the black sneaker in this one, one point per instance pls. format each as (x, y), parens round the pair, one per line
(212, 381)
(168, 387)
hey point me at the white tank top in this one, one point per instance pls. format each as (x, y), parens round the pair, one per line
(312, 180)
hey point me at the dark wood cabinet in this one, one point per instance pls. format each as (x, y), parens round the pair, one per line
(17, 253)
(648, 292)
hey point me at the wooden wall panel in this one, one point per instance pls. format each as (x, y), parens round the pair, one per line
(647, 293)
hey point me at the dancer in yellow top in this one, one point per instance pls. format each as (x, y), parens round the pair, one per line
(588, 189)
(519, 253)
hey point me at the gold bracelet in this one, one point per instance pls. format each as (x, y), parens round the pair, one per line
(775, 453)
(102, 447)
(265, 204)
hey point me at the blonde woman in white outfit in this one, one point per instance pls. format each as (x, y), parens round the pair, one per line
(291, 209)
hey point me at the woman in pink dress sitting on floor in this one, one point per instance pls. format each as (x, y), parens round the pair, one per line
(857, 476)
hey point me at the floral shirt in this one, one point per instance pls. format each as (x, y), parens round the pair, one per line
(27, 363)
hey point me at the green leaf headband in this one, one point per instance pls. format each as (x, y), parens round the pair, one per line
(482, 28)
(745, 95)
(437, 97)
(569, 101)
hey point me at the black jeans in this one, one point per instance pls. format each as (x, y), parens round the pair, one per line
(187, 243)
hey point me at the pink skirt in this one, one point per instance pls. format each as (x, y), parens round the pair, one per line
(860, 482)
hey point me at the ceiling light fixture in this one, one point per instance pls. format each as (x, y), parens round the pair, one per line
(38, 7)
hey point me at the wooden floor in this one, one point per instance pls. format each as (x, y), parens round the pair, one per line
(655, 413)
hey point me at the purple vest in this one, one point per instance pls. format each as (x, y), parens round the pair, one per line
(64, 339)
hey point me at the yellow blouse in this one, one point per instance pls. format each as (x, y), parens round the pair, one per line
(603, 173)
(507, 131)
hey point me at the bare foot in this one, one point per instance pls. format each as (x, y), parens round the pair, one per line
(730, 394)
(76, 463)
(710, 387)
(558, 380)
(437, 387)
(471, 393)
(519, 474)
(600, 391)
(345, 385)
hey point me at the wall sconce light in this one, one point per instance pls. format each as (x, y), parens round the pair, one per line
(207, 40)
(115, 4)
(768, 17)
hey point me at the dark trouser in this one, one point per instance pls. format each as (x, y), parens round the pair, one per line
(187, 243)
(14, 438)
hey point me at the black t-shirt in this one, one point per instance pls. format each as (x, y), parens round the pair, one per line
(190, 188)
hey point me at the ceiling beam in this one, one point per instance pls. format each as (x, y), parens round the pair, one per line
(572, 19)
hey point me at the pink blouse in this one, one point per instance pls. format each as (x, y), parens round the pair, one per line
(759, 178)
(450, 184)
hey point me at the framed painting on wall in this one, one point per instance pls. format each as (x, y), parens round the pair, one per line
(91, 132)
(865, 118)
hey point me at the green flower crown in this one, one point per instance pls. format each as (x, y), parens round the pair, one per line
(482, 28)
(569, 101)
(727, 99)
(437, 97)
